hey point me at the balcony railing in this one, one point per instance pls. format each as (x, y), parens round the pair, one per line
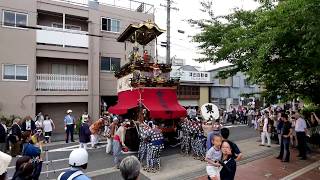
(59, 82)
(131, 5)
(58, 36)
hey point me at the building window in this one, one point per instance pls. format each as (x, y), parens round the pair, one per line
(189, 92)
(14, 19)
(222, 81)
(65, 69)
(220, 102)
(235, 101)
(110, 25)
(246, 82)
(67, 26)
(15, 72)
(236, 81)
(110, 64)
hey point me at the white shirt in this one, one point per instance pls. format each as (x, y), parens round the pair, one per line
(300, 125)
(265, 125)
(47, 125)
(28, 124)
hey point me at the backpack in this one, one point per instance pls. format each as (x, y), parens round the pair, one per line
(70, 175)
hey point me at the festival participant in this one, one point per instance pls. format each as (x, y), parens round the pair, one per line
(118, 143)
(144, 133)
(186, 136)
(69, 125)
(78, 160)
(155, 147)
(95, 129)
(200, 149)
(110, 135)
(194, 134)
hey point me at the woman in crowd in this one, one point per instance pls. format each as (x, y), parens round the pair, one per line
(229, 165)
(27, 169)
(48, 127)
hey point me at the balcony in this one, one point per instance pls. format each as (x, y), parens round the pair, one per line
(131, 5)
(66, 38)
(59, 82)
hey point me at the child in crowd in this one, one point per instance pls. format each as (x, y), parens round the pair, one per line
(213, 157)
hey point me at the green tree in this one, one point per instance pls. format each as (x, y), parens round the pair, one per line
(276, 45)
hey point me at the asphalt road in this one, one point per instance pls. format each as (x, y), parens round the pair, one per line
(101, 164)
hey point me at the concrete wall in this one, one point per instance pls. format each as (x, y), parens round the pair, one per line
(57, 111)
(17, 46)
(204, 95)
(44, 65)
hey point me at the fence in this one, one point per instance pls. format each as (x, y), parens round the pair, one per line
(59, 82)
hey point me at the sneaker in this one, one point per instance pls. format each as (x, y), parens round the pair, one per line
(278, 157)
(269, 146)
(261, 144)
(285, 161)
(303, 158)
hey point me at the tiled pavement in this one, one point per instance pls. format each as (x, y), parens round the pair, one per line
(271, 168)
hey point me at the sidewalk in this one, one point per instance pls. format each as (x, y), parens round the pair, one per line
(272, 169)
(179, 167)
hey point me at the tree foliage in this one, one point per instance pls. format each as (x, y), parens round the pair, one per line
(276, 45)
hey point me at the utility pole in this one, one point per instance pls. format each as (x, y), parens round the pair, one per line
(168, 45)
(168, 31)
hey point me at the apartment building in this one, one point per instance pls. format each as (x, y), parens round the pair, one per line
(194, 84)
(233, 91)
(57, 55)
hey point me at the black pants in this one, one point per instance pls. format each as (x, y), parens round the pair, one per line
(302, 144)
(284, 147)
(70, 129)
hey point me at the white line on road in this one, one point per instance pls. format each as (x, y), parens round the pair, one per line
(232, 126)
(70, 148)
(45, 162)
(301, 171)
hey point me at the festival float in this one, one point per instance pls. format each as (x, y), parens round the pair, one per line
(145, 89)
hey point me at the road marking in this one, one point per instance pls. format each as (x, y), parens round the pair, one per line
(302, 171)
(232, 126)
(44, 162)
(101, 172)
(71, 148)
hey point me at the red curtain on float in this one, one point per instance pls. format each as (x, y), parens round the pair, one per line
(126, 100)
(162, 103)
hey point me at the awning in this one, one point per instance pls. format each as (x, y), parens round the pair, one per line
(126, 100)
(162, 103)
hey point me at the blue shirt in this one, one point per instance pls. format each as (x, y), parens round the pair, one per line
(68, 119)
(81, 177)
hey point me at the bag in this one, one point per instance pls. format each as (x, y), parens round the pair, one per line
(70, 175)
